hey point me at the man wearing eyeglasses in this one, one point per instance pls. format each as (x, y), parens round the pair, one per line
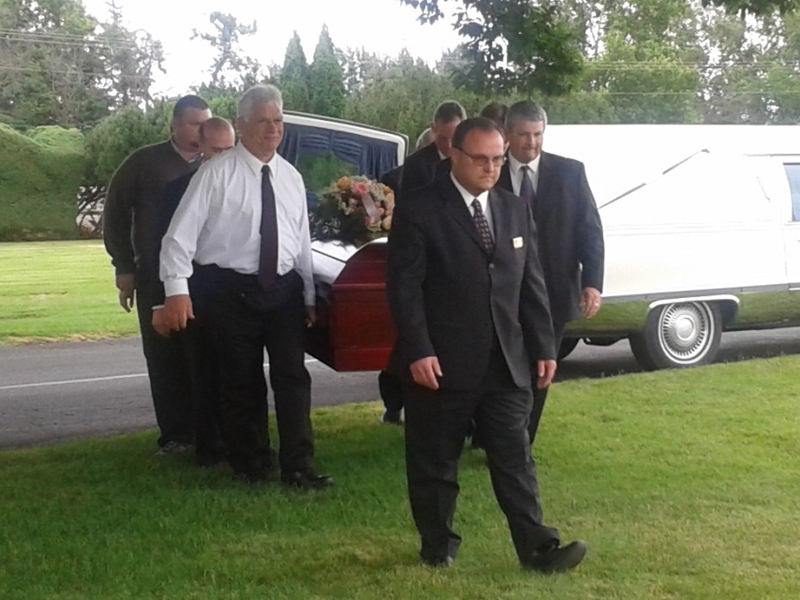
(469, 303)
(570, 242)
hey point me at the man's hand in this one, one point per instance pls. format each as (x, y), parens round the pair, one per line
(126, 284)
(311, 316)
(425, 371)
(160, 322)
(590, 302)
(177, 312)
(545, 371)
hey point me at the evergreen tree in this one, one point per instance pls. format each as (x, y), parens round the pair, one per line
(326, 81)
(293, 77)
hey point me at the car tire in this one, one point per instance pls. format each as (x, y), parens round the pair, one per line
(566, 347)
(679, 335)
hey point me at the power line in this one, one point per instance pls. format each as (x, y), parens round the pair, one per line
(67, 40)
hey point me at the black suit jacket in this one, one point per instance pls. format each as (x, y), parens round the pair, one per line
(173, 193)
(571, 246)
(421, 168)
(448, 296)
(392, 178)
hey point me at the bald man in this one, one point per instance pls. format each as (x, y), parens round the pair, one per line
(216, 136)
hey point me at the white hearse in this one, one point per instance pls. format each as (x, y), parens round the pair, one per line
(702, 232)
(701, 222)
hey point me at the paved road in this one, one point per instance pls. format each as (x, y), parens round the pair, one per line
(55, 392)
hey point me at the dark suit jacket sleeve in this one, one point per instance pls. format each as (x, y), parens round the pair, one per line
(591, 248)
(406, 266)
(118, 214)
(418, 170)
(534, 311)
(392, 178)
(172, 197)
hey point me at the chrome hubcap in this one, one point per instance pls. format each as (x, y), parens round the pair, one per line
(685, 332)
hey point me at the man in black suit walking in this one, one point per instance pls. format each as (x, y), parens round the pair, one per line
(420, 167)
(468, 299)
(570, 240)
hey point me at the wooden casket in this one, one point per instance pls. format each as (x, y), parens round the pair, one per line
(354, 330)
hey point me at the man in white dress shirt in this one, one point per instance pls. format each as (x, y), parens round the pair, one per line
(253, 276)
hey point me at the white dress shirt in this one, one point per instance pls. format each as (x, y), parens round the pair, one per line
(219, 217)
(514, 167)
(483, 198)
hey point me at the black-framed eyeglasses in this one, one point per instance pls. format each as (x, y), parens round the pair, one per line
(481, 160)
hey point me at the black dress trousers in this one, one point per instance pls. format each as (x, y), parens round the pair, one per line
(167, 366)
(246, 322)
(436, 426)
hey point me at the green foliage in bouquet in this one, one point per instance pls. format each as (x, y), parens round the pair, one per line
(353, 210)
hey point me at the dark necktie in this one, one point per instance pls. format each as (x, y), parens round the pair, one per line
(268, 258)
(526, 188)
(483, 226)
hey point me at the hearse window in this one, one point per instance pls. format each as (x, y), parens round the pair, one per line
(323, 155)
(320, 171)
(793, 174)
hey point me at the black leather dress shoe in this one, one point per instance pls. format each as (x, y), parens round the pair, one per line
(436, 563)
(558, 558)
(306, 480)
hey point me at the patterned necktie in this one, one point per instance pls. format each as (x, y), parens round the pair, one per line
(483, 226)
(526, 186)
(268, 257)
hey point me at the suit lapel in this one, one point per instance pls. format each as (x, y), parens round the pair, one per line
(500, 218)
(504, 181)
(455, 206)
(545, 177)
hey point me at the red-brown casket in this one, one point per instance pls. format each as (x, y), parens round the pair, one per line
(354, 330)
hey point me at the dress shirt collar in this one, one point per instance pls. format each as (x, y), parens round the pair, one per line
(483, 197)
(514, 166)
(254, 163)
(192, 160)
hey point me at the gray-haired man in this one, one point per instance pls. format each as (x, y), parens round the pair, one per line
(242, 229)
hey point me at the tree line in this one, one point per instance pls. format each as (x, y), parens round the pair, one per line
(586, 61)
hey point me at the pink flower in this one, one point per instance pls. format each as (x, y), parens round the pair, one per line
(360, 188)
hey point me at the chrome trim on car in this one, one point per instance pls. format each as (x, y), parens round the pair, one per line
(709, 298)
(757, 307)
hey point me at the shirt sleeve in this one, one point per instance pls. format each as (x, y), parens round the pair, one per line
(305, 265)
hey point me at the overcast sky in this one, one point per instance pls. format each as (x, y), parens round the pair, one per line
(381, 26)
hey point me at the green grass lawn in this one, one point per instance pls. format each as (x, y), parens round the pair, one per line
(59, 291)
(685, 484)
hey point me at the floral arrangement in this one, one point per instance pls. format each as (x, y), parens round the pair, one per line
(353, 210)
